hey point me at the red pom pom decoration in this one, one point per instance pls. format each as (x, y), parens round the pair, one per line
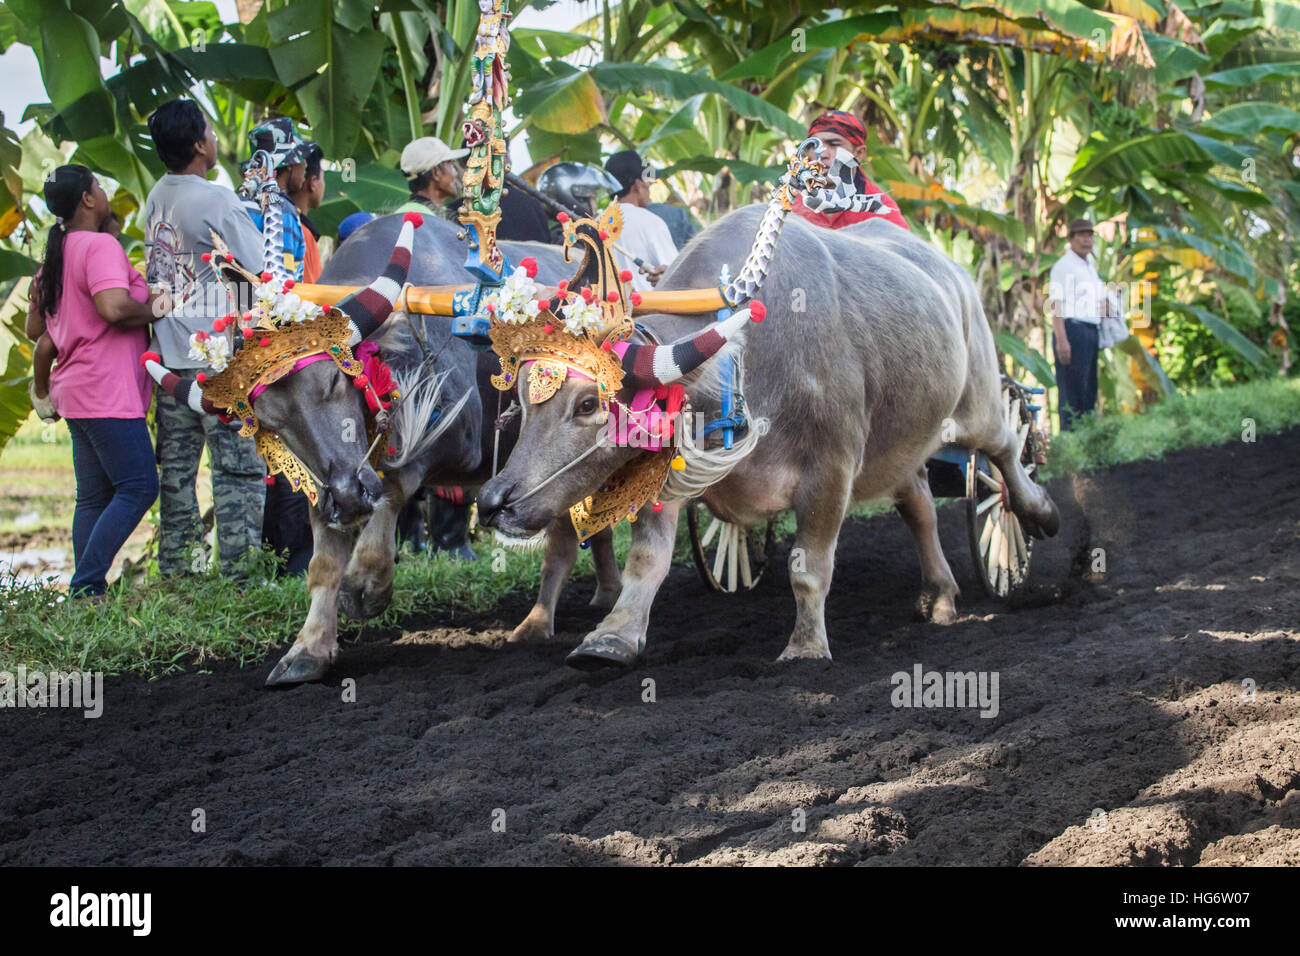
(361, 381)
(248, 333)
(611, 296)
(607, 346)
(587, 294)
(414, 218)
(202, 336)
(603, 235)
(757, 311)
(530, 266)
(263, 341)
(626, 275)
(150, 357)
(392, 450)
(491, 307)
(636, 298)
(562, 217)
(548, 328)
(544, 304)
(289, 284)
(265, 277)
(269, 479)
(563, 284)
(206, 257)
(201, 377)
(659, 506)
(219, 325)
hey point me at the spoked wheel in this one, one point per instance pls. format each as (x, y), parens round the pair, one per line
(999, 547)
(729, 558)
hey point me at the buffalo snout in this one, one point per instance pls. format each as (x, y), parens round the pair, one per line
(352, 496)
(492, 502)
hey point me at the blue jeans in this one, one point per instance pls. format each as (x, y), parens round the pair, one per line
(1076, 383)
(117, 482)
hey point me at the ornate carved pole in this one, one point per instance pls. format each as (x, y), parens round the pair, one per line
(486, 166)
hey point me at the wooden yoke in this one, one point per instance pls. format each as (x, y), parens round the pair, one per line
(438, 299)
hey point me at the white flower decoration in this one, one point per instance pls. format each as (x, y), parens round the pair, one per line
(516, 300)
(214, 351)
(582, 316)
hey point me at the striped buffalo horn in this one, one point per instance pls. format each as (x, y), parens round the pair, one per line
(187, 391)
(369, 307)
(645, 366)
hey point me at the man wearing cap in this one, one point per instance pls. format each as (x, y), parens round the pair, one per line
(432, 175)
(851, 197)
(289, 160)
(1077, 300)
(284, 519)
(645, 236)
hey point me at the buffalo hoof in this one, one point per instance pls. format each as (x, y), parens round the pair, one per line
(805, 652)
(1043, 526)
(603, 651)
(532, 628)
(937, 608)
(298, 669)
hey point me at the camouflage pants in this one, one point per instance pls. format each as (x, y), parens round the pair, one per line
(238, 488)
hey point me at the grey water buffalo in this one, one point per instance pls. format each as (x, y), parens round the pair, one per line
(442, 433)
(872, 341)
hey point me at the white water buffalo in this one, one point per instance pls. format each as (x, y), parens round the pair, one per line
(856, 385)
(443, 431)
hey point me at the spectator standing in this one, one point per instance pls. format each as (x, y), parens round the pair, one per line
(305, 200)
(1077, 301)
(181, 213)
(287, 151)
(645, 236)
(96, 308)
(285, 524)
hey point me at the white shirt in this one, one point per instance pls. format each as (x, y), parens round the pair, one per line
(1074, 283)
(646, 237)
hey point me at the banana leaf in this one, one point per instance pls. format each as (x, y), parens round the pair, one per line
(1152, 371)
(1249, 120)
(1224, 332)
(15, 405)
(1250, 75)
(1029, 359)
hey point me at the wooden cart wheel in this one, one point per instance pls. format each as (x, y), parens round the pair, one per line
(999, 547)
(729, 558)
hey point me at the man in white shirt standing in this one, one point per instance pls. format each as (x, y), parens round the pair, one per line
(1077, 300)
(645, 236)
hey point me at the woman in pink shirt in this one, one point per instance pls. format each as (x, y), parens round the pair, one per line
(96, 309)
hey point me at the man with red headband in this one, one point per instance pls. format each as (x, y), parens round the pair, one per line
(850, 197)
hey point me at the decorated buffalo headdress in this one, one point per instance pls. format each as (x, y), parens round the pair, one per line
(280, 334)
(584, 328)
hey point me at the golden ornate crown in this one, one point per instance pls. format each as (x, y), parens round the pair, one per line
(578, 332)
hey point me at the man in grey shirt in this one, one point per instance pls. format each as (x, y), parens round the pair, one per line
(182, 211)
